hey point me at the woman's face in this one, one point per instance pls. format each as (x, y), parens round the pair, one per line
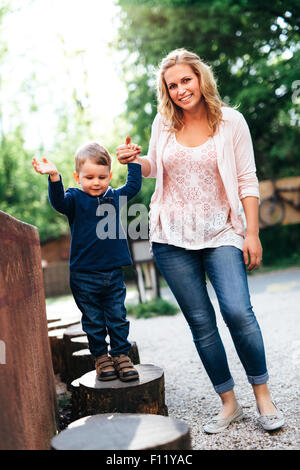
(184, 87)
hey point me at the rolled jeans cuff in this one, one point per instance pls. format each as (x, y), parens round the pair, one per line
(225, 386)
(258, 379)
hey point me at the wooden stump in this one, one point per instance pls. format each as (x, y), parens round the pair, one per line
(146, 395)
(75, 399)
(133, 353)
(124, 432)
(74, 330)
(82, 362)
(57, 350)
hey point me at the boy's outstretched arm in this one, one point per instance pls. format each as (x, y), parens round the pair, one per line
(59, 200)
(45, 167)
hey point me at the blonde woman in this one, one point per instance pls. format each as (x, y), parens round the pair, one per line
(202, 157)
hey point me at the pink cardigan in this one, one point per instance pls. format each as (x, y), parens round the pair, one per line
(235, 159)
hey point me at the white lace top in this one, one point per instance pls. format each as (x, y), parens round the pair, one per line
(194, 211)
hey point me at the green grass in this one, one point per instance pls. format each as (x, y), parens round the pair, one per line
(152, 308)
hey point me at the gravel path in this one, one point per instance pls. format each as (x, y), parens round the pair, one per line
(167, 342)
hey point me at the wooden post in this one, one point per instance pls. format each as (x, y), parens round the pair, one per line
(28, 406)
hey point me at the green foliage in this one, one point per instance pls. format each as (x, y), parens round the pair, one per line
(253, 47)
(152, 308)
(24, 193)
(281, 245)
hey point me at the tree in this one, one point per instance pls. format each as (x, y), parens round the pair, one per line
(253, 47)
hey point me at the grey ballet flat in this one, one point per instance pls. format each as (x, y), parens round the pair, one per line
(271, 422)
(216, 425)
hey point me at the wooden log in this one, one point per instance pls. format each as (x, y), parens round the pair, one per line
(76, 399)
(57, 349)
(82, 362)
(53, 325)
(62, 346)
(124, 432)
(74, 330)
(146, 395)
(51, 320)
(70, 346)
(133, 353)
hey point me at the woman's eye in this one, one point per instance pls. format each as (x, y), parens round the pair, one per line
(171, 86)
(186, 80)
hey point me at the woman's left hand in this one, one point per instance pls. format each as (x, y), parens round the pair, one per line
(252, 251)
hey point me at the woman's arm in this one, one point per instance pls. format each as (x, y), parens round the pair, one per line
(252, 245)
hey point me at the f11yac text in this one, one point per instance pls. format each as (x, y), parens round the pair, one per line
(157, 459)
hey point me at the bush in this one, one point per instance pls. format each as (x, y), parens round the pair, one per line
(281, 245)
(152, 308)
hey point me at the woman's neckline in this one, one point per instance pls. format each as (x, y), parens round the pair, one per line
(197, 146)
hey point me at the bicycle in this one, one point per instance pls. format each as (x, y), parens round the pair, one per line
(272, 209)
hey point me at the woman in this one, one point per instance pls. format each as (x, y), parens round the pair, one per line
(202, 157)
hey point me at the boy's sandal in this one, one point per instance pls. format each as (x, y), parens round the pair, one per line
(105, 368)
(125, 368)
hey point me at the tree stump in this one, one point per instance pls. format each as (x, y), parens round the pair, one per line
(146, 395)
(82, 362)
(74, 330)
(124, 432)
(57, 349)
(133, 353)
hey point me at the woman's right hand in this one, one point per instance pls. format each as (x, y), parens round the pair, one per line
(127, 152)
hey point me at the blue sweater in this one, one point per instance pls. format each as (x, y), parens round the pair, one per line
(89, 219)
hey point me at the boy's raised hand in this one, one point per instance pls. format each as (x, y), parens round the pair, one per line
(45, 167)
(129, 152)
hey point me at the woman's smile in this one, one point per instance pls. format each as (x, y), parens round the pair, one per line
(183, 86)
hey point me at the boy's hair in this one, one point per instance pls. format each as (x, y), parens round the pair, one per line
(95, 153)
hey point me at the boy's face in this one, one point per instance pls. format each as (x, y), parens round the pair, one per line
(94, 179)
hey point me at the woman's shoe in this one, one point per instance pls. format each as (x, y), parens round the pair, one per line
(216, 425)
(271, 422)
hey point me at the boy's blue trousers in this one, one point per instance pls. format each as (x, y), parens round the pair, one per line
(100, 297)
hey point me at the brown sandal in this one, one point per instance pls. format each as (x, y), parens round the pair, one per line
(125, 368)
(105, 368)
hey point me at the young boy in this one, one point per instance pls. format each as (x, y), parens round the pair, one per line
(96, 276)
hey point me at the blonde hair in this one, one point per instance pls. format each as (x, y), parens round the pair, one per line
(94, 152)
(213, 103)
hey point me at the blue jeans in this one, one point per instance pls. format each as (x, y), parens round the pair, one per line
(100, 297)
(184, 271)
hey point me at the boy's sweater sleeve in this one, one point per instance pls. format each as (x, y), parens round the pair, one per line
(60, 200)
(133, 183)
